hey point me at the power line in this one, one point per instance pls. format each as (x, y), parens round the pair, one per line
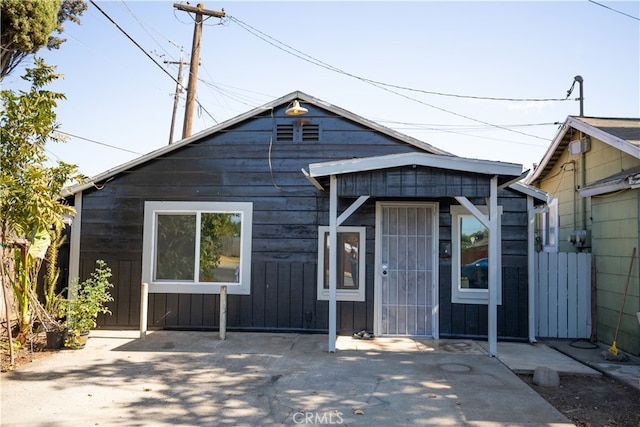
(299, 54)
(147, 54)
(614, 10)
(132, 40)
(315, 61)
(139, 21)
(97, 142)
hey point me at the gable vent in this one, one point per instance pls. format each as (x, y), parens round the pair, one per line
(310, 133)
(284, 133)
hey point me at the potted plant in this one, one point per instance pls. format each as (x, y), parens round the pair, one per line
(91, 297)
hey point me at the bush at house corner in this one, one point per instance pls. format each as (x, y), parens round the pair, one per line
(91, 297)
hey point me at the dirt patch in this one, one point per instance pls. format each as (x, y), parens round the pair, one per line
(592, 401)
(30, 352)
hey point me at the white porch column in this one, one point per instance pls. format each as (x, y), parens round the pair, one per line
(333, 260)
(531, 264)
(74, 241)
(494, 255)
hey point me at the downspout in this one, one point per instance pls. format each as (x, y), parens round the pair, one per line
(583, 183)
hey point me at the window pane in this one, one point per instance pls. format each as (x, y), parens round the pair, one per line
(348, 262)
(551, 224)
(220, 247)
(474, 254)
(175, 244)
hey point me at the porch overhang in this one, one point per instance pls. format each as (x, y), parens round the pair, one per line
(500, 175)
(505, 171)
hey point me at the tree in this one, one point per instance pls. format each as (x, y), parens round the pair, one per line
(27, 26)
(31, 193)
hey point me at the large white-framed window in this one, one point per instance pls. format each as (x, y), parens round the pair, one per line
(350, 264)
(470, 258)
(550, 224)
(196, 247)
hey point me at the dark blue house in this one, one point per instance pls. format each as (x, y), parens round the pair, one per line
(314, 222)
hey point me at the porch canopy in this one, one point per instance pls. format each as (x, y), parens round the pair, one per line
(415, 175)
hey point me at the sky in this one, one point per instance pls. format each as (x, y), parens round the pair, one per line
(485, 80)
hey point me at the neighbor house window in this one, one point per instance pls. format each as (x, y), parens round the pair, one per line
(350, 272)
(196, 247)
(550, 227)
(470, 258)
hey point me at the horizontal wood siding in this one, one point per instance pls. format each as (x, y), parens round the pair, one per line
(244, 163)
(247, 163)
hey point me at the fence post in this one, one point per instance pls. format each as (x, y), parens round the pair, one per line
(223, 312)
(144, 306)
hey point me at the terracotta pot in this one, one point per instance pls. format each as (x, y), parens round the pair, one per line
(76, 342)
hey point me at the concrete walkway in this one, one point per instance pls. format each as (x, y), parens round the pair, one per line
(173, 378)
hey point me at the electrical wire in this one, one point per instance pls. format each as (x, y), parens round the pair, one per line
(322, 64)
(383, 86)
(132, 40)
(146, 54)
(144, 27)
(97, 142)
(614, 10)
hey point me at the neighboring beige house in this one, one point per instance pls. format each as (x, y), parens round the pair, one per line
(592, 172)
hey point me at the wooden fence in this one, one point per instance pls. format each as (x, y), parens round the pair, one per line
(563, 297)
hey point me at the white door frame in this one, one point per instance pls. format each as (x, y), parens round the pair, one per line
(377, 303)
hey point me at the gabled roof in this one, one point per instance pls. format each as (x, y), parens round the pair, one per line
(623, 134)
(285, 100)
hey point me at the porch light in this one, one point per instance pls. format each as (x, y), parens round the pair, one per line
(296, 109)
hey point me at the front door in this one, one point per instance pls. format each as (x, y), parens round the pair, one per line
(406, 269)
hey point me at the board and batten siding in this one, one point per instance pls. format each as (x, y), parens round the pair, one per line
(244, 163)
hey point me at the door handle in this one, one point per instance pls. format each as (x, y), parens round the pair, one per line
(385, 269)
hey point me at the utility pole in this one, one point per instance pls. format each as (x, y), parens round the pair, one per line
(578, 79)
(176, 97)
(200, 11)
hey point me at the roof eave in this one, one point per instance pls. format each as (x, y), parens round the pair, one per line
(419, 159)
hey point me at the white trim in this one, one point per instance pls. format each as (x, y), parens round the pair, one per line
(333, 250)
(377, 292)
(592, 131)
(495, 276)
(343, 294)
(531, 263)
(553, 208)
(152, 208)
(530, 191)
(609, 139)
(351, 209)
(74, 242)
(420, 159)
(471, 296)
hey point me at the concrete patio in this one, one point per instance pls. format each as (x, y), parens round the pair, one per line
(258, 379)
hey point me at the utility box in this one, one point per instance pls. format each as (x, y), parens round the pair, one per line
(581, 238)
